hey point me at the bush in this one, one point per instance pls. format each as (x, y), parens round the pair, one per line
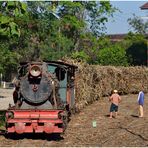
(114, 55)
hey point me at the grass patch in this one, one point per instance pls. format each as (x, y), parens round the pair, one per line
(2, 118)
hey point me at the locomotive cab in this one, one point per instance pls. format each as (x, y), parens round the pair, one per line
(65, 74)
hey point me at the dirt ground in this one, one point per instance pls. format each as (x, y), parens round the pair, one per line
(6, 98)
(125, 130)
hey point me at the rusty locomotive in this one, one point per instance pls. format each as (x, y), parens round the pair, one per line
(43, 98)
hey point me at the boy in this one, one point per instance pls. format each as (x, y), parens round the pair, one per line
(141, 103)
(115, 99)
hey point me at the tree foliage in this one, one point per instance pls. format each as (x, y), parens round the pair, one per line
(137, 49)
(38, 30)
(10, 11)
(113, 55)
(49, 30)
(138, 24)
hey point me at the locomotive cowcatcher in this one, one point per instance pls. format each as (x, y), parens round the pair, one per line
(43, 98)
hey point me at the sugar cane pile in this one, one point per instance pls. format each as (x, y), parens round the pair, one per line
(93, 82)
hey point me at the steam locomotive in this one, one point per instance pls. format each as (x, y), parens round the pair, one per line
(43, 98)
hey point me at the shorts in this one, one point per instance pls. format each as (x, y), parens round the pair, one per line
(113, 107)
(141, 102)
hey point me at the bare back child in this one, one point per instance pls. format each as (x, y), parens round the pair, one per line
(115, 100)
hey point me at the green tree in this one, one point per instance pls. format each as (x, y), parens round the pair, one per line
(90, 47)
(9, 12)
(97, 15)
(8, 60)
(50, 30)
(9, 30)
(55, 37)
(138, 24)
(113, 55)
(137, 49)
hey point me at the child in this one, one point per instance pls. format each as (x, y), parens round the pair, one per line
(115, 99)
(141, 103)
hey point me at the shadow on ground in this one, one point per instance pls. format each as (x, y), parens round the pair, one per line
(135, 116)
(35, 136)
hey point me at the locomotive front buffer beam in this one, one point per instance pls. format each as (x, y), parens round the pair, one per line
(29, 121)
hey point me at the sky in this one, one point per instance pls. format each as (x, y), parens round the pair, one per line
(118, 24)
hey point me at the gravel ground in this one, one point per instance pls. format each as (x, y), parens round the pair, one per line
(125, 130)
(6, 98)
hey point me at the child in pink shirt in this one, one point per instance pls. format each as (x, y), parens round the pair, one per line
(115, 100)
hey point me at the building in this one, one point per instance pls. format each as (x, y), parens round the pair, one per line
(116, 37)
(144, 7)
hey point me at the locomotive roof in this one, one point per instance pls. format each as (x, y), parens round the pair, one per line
(61, 63)
(54, 63)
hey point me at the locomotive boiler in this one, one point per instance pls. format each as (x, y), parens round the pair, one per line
(43, 98)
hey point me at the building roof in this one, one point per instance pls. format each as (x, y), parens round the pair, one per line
(116, 37)
(145, 6)
(120, 37)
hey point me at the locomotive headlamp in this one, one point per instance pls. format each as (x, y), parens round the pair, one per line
(35, 71)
